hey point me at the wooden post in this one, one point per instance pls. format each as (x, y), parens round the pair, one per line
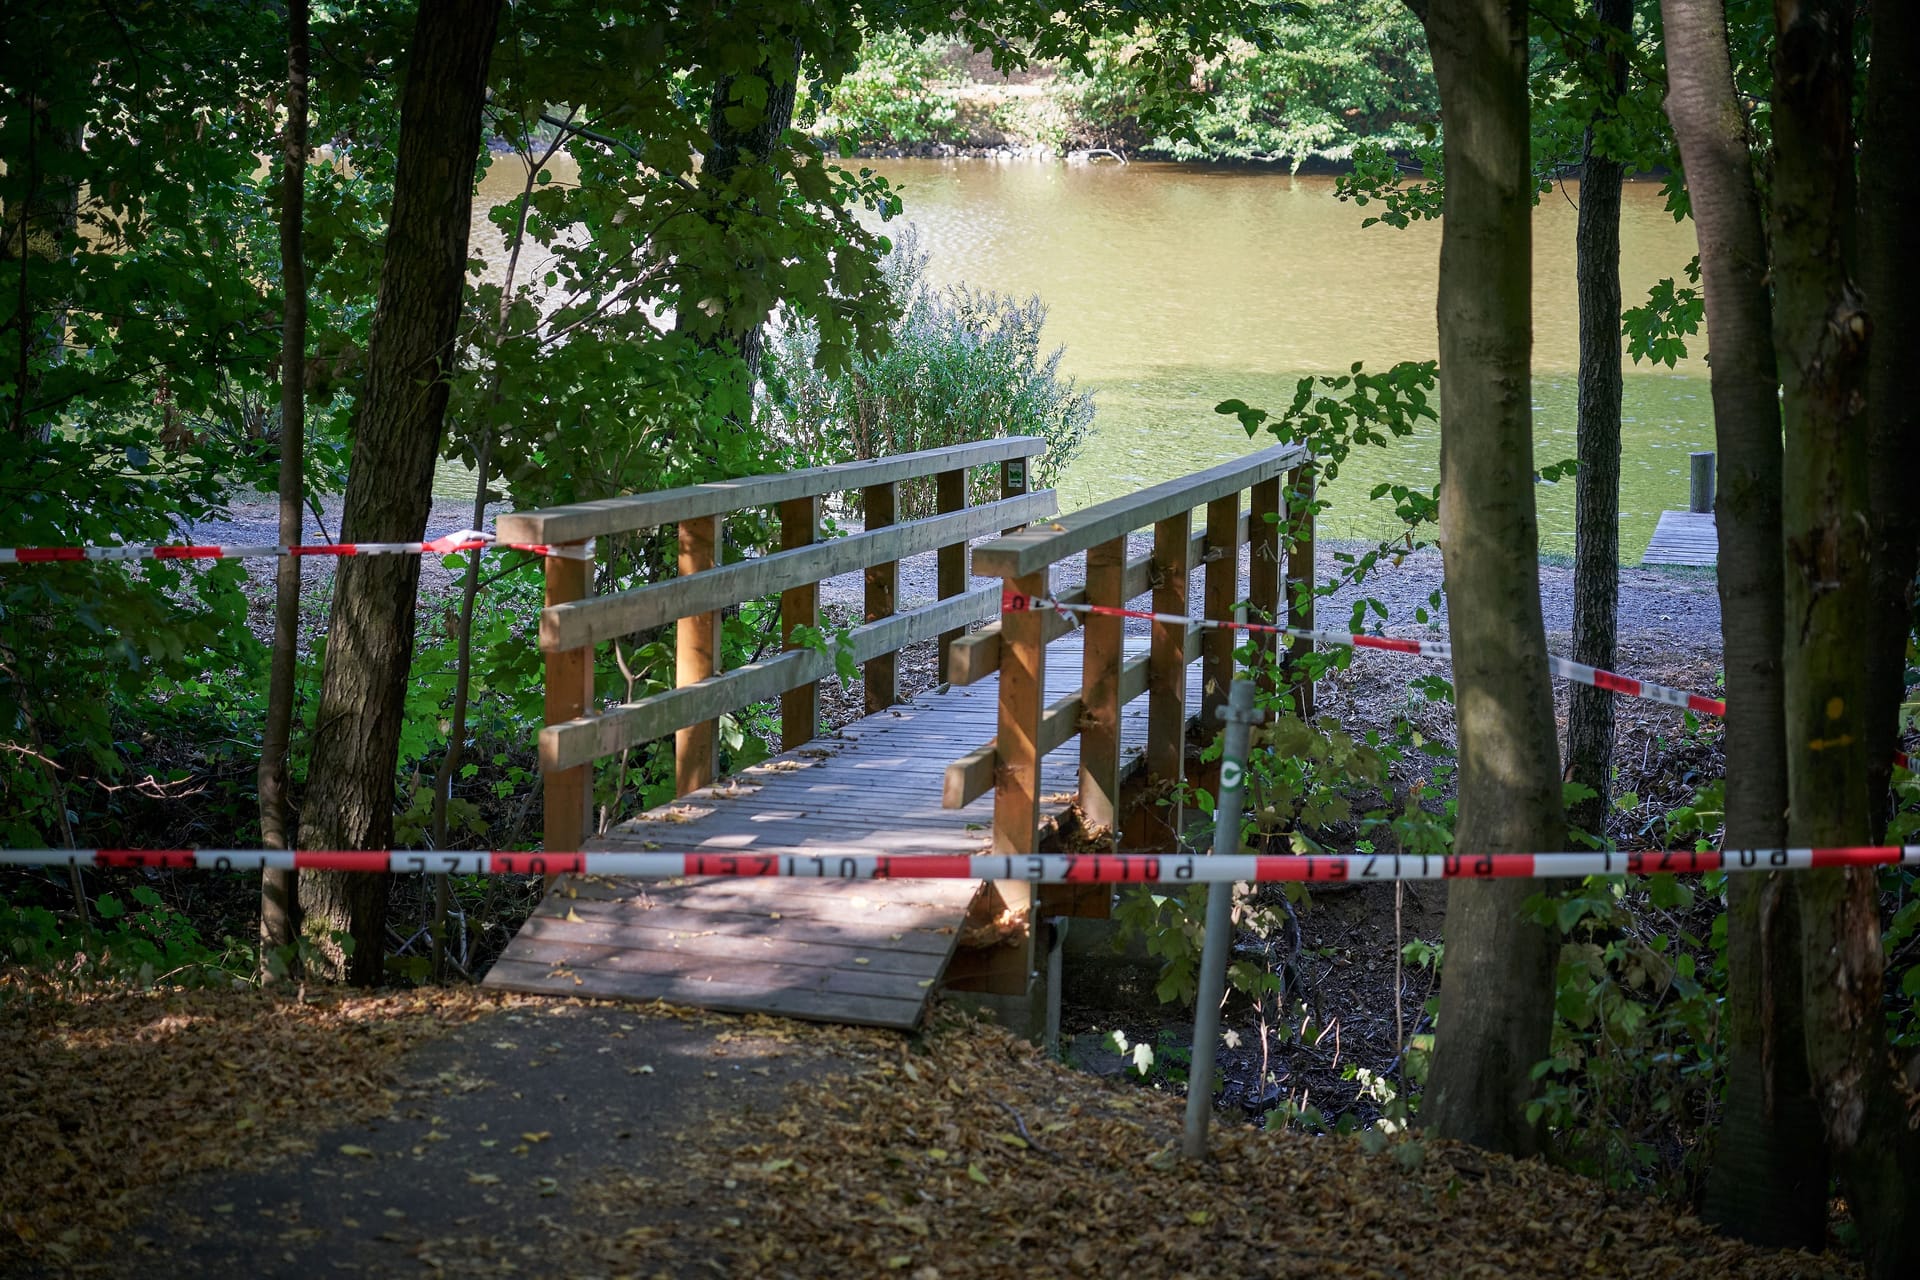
(567, 794)
(1016, 790)
(1263, 571)
(696, 655)
(1700, 483)
(950, 494)
(1167, 677)
(1023, 661)
(1222, 588)
(1103, 652)
(1013, 482)
(799, 607)
(1023, 684)
(883, 590)
(1300, 579)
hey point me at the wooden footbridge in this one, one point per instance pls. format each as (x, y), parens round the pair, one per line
(1043, 731)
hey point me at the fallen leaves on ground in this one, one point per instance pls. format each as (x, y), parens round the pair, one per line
(963, 1153)
(970, 1155)
(109, 1094)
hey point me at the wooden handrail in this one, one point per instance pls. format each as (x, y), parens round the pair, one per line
(577, 733)
(656, 604)
(1032, 550)
(584, 739)
(973, 658)
(583, 520)
(971, 776)
(567, 795)
(1028, 730)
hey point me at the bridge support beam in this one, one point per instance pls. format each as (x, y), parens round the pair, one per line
(1221, 589)
(950, 494)
(696, 655)
(567, 794)
(1156, 822)
(1023, 657)
(1263, 573)
(1104, 650)
(1300, 499)
(799, 607)
(879, 677)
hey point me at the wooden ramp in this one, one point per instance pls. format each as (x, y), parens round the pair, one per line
(831, 951)
(867, 952)
(1684, 537)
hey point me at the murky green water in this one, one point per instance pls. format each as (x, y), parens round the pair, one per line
(1174, 288)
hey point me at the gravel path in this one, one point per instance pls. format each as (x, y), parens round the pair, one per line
(1662, 612)
(257, 520)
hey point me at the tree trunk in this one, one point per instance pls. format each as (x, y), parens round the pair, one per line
(1496, 1002)
(41, 229)
(737, 149)
(279, 900)
(350, 798)
(1820, 333)
(1768, 1183)
(1890, 192)
(1596, 546)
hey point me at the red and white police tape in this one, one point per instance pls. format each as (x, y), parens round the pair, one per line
(463, 540)
(1565, 668)
(1013, 602)
(1137, 868)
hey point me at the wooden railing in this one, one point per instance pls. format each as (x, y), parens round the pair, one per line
(579, 731)
(1016, 646)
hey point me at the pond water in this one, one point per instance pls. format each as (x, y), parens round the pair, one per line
(1174, 287)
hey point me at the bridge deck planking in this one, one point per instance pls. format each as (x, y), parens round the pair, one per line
(865, 952)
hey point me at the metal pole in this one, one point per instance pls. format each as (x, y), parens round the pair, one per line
(1056, 944)
(1240, 716)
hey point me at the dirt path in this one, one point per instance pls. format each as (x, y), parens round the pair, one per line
(496, 1135)
(481, 1151)
(554, 1138)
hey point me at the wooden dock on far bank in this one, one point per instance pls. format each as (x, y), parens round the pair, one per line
(1684, 538)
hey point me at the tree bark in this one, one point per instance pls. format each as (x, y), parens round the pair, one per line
(1496, 1002)
(737, 150)
(350, 798)
(41, 229)
(1890, 272)
(1596, 536)
(279, 898)
(1820, 334)
(1768, 1183)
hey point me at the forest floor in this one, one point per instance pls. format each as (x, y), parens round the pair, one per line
(220, 1132)
(446, 1132)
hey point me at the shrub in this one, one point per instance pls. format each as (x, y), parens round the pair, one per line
(963, 364)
